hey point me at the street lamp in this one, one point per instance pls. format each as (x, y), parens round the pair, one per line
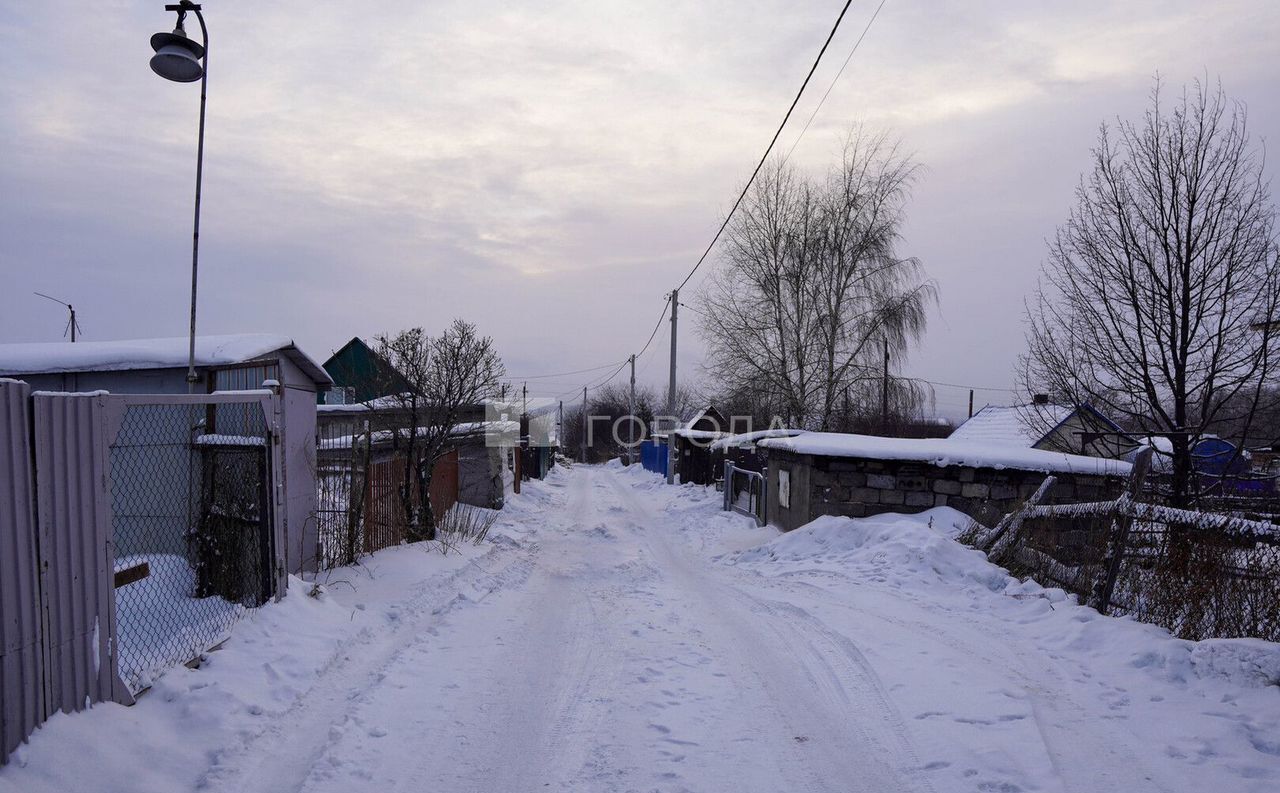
(182, 60)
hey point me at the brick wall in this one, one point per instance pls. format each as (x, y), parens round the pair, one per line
(857, 487)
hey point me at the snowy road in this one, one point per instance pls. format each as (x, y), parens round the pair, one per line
(616, 662)
(613, 639)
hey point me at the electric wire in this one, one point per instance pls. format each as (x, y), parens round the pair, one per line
(834, 80)
(769, 149)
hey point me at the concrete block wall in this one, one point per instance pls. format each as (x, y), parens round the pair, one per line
(858, 487)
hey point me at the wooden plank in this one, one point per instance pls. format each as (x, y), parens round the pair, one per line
(131, 574)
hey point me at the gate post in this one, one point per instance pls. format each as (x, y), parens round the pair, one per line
(728, 484)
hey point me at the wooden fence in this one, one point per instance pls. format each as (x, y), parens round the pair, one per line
(359, 500)
(1199, 574)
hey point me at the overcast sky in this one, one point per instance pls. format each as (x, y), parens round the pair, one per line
(549, 170)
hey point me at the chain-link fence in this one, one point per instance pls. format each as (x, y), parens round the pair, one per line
(192, 522)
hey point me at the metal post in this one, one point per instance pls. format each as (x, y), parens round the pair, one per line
(631, 416)
(583, 442)
(73, 323)
(560, 426)
(970, 403)
(195, 233)
(671, 393)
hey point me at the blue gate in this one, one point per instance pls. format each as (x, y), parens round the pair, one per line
(653, 456)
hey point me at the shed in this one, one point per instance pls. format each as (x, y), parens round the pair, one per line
(824, 473)
(223, 363)
(694, 461)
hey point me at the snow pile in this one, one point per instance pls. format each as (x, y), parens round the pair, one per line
(919, 554)
(946, 452)
(890, 545)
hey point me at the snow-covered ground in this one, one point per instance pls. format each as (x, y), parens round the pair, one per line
(617, 634)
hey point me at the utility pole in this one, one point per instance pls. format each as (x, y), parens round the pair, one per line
(884, 390)
(524, 435)
(560, 427)
(631, 415)
(584, 424)
(671, 393)
(970, 403)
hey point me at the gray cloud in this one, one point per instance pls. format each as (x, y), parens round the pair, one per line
(549, 169)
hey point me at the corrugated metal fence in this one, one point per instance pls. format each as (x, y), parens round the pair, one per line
(21, 658)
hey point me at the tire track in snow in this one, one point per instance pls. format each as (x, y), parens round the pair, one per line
(283, 755)
(849, 749)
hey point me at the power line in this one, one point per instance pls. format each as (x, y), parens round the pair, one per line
(661, 317)
(967, 387)
(834, 80)
(769, 149)
(561, 374)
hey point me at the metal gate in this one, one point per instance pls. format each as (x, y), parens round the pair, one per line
(744, 492)
(193, 523)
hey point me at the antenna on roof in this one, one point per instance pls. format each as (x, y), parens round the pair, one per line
(72, 325)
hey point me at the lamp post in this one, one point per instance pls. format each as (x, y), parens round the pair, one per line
(182, 60)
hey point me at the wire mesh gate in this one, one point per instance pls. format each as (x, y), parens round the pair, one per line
(192, 520)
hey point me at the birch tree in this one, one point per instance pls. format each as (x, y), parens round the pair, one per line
(812, 291)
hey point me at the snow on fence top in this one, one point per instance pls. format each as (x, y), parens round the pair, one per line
(746, 439)
(167, 353)
(946, 452)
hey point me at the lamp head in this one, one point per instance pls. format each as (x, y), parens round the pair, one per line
(177, 57)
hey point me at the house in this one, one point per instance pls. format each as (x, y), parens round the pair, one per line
(360, 374)
(824, 473)
(694, 461)
(1072, 430)
(223, 363)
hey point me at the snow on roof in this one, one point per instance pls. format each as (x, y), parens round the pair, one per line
(1018, 425)
(747, 439)
(945, 452)
(167, 353)
(699, 435)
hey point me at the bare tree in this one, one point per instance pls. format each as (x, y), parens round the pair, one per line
(1154, 296)
(440, 381)
(812, 290)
